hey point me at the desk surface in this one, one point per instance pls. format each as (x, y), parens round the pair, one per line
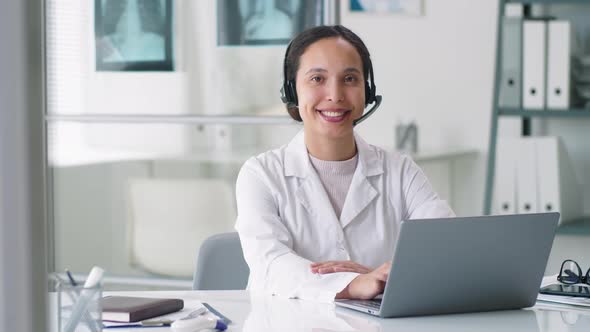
(253, 312)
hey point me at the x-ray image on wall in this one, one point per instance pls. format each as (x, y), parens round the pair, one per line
(133, 35)
(404, 7)
(265, 22)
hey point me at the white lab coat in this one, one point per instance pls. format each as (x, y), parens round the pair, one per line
(286, 221)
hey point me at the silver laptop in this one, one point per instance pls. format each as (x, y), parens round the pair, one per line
(456, 265)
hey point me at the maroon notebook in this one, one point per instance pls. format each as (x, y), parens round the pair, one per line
(135, 309)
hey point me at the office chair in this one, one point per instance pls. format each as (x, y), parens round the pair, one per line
(221, 264)
(170, 218)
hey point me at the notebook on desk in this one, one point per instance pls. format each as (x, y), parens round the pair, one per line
(456, 265)
(133, 309)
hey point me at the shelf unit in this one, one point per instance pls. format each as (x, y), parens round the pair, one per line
(525, 114)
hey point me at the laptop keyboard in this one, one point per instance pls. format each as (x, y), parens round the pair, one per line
(369, 304)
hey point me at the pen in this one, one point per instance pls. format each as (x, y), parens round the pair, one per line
(167, 322)
(72, 280)
(224, 319)
(134, 326)
(196, 313)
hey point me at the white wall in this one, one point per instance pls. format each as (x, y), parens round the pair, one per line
(437, 69)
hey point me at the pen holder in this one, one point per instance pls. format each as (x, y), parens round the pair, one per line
(79, 308)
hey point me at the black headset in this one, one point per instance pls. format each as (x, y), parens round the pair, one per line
(289, 91)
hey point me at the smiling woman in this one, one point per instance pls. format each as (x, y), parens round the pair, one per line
(331, 90)
(318, 217)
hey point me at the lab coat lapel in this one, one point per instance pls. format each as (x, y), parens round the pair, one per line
(361, 192)
(310, 193)
(313, 196)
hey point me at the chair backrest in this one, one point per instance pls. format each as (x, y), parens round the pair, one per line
(221, 264)
(170, 218)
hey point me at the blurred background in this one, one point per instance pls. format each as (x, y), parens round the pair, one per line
(152, 106)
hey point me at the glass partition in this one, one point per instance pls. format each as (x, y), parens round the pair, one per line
(139, 199)
(152, 107)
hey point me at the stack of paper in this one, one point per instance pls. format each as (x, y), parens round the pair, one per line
(571, 300)
(557, 301)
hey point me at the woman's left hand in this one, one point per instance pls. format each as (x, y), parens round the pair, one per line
(338, 266)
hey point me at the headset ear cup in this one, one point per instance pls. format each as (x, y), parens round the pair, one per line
(369, 94)
(284, 98)
(292, 92)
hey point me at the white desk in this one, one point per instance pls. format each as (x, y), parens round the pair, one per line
(250, 312)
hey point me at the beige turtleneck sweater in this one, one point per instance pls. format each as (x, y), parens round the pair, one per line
(336, 177)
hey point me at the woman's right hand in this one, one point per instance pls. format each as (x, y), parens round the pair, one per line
(367, 286)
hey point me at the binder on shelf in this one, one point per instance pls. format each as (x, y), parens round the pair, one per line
(513, 10)
(558, 188)
(511, 75)
(505, 200)
(581, 66)
(526, 177)
(534, 64)
(558, 64)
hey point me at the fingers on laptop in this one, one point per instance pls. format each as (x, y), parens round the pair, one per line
(338, 266)
(382, 272)
(365, 286)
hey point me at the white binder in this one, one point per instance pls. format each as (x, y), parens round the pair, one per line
(558, 64)
(526, 176)
(534, 64)
(511, 79)
(505, 177)
(513, 10)
(558, 188)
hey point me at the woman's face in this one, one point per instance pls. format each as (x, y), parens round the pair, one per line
(330, 87)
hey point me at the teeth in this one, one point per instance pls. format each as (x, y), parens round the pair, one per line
(332, 114)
